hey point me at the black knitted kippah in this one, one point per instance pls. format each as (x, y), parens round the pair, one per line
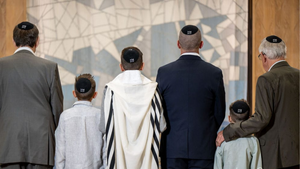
(25, 25)
(240, 107)
(83, 85)
(189, 29)
(273, 39)
(131, 55)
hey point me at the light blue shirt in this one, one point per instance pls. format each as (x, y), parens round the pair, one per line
(243, 153)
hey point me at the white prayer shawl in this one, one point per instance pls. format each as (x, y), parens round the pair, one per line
(133, 112)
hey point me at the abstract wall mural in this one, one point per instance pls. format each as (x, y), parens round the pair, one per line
(87, 36)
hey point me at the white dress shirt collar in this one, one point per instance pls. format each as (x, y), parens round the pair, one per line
(24, 48)
(275, 64)
(83, 102)
(191, 53)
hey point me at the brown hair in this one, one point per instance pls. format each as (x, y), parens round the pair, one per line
(132, 66)
(88, 95)
(25, 37)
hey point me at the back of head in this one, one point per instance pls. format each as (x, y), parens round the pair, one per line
(239, 110)
(85, 87)
(131, 58)
(273, 47)
(190, 38)
(25, 34)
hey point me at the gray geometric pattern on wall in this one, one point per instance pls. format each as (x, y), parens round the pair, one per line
(87, 36)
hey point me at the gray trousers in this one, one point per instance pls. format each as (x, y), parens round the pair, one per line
(24, 166)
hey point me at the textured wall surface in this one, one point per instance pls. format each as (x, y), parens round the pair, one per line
(275, 17)
(11, 13)
(88, 35)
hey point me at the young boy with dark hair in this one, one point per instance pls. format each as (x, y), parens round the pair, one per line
(79, 136)
(243, 153)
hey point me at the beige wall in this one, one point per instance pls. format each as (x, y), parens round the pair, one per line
(12, 12)
(274, 17)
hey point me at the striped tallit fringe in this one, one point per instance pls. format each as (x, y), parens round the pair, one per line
(155, 114)
(110, 136)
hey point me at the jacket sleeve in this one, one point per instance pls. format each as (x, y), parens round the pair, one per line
(60, 152)
(56, 96)
(261, 117)
(219, 107)
(159, 82)
(159, 90)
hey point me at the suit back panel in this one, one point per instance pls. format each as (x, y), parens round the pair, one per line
(191, 88)
(26, 118)
(280, 138)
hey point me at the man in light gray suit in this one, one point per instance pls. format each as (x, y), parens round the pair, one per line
(31, 102)
(276, 119)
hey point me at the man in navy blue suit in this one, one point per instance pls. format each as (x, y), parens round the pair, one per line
(194, 102)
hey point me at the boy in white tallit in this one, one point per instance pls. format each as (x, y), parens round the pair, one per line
(133, 116)
(243, 153)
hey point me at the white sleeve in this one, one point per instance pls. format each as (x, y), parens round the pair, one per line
(162, 120)
(218, 162)
(256, 162)
(60, 152)
(104, 154)
(102, 116)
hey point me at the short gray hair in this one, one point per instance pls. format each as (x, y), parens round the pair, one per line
(190, 42)
(273, 50)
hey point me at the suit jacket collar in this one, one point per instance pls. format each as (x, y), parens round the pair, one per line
(279, 64)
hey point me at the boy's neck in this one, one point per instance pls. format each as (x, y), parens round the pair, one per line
(85, 100)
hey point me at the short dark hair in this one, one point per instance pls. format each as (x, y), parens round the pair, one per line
(88, 95)
(25, 37)
(132, 66)
(239, 116)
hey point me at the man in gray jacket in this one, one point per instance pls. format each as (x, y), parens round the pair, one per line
(31, 102)
(276, 119)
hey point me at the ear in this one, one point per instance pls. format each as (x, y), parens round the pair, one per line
(74, 93)
(14, 43)
(201, 44)
(178, 44)
(142, 67)
(95, 95)
(37, 42)
(229, 119)
(121, 67)
(264, 58)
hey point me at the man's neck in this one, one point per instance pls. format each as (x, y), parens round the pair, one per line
(89, 100)
(273, 61)
(182, 51)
